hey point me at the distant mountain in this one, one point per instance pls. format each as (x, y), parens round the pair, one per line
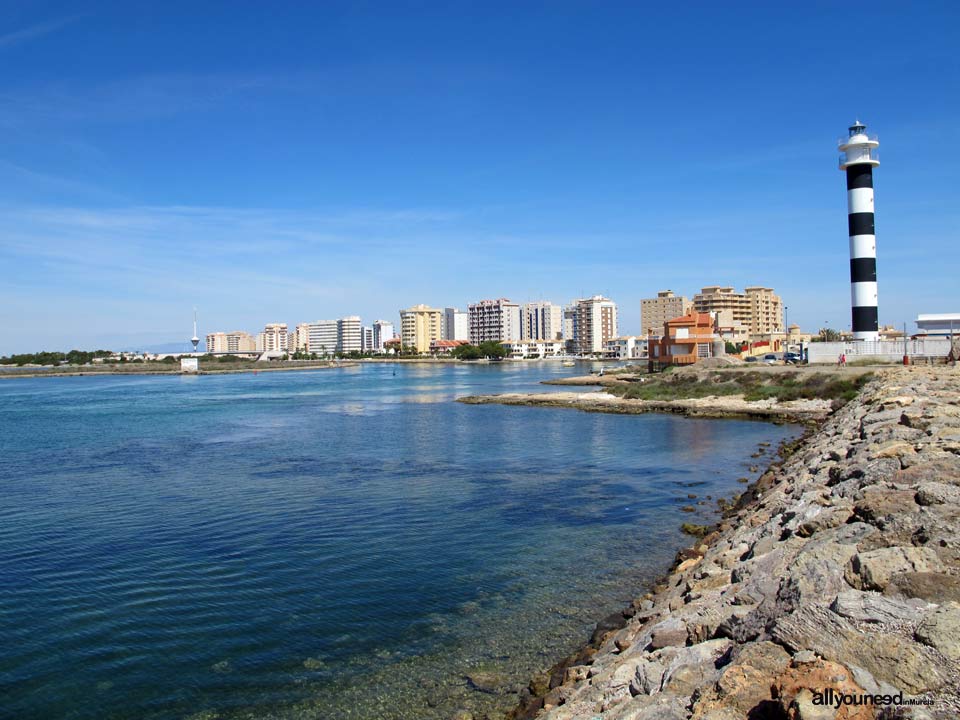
(170, 347)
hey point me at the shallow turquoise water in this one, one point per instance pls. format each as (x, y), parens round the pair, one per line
(341, 543)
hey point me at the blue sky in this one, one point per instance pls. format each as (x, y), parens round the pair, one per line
(292, 162)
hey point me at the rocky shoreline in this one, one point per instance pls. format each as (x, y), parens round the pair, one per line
(836, 575)
(709, 407)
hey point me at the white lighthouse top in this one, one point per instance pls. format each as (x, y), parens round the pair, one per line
(858, 148)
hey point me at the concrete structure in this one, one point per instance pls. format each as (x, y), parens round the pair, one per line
(534, 349)
(757, 308)
(944, 324)
(273, 339)
(419, 326)
(494, 321)
(627, 347)
(858, 160)
(349, 334)
(366, 339)
(236, 341)
(595, 324)
(190, 365)
(685, 340)
(382, 332)
(542, 321)
(456, 324)
(654, 312)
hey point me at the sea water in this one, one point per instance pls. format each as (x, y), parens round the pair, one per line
(345, 543)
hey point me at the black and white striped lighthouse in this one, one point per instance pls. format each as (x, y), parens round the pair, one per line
(858, 159)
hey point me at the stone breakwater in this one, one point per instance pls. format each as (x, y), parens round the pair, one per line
(837, 575)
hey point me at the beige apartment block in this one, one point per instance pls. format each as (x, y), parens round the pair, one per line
(595, 324)
(300, 338)
(236, 341)
(757, 308)
(766, 310)
(274, 338)
(654, 312)
(420, 326)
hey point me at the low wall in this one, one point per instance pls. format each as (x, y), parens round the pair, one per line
(880, 350)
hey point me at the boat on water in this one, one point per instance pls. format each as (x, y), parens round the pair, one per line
(568, 363)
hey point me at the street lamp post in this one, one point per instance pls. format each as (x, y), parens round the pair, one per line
(786, 328)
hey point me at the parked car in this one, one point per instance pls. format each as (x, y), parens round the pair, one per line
(751, 359)
(770, 358)
(792, 358)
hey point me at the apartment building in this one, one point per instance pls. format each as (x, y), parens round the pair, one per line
(766, 310)
(419, 326)
(570, 327)
(534, 349)
(542, 321)
(456, 324)
(300, 338)
(349, 334)
(654, 312)
(494, 321)
(595, 324)
(274, 338)
(757, 308)
(628, 347)
(236, 341)
(366, 339)
(322, 337)
(382, 332)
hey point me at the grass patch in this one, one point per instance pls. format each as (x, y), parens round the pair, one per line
(752, 385)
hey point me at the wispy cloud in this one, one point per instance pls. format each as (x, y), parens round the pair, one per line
(134, 98)
(18, 37)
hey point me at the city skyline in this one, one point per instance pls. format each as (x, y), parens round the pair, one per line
(270, 166)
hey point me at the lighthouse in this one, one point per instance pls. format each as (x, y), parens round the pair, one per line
(858, 158)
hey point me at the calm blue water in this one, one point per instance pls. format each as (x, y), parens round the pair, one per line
(326, 544)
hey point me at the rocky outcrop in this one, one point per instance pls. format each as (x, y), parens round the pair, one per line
(727, 406)
(836, 577)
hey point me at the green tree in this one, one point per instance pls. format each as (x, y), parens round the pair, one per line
(493, 350)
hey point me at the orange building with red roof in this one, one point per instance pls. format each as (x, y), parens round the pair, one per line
(685, 340)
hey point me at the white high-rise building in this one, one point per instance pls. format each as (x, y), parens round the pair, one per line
(542, 321)
(382, 331)
(366, 339)
(494, 320)
(322, 337)
(456, 324)
(349, 334)
(595, 325)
